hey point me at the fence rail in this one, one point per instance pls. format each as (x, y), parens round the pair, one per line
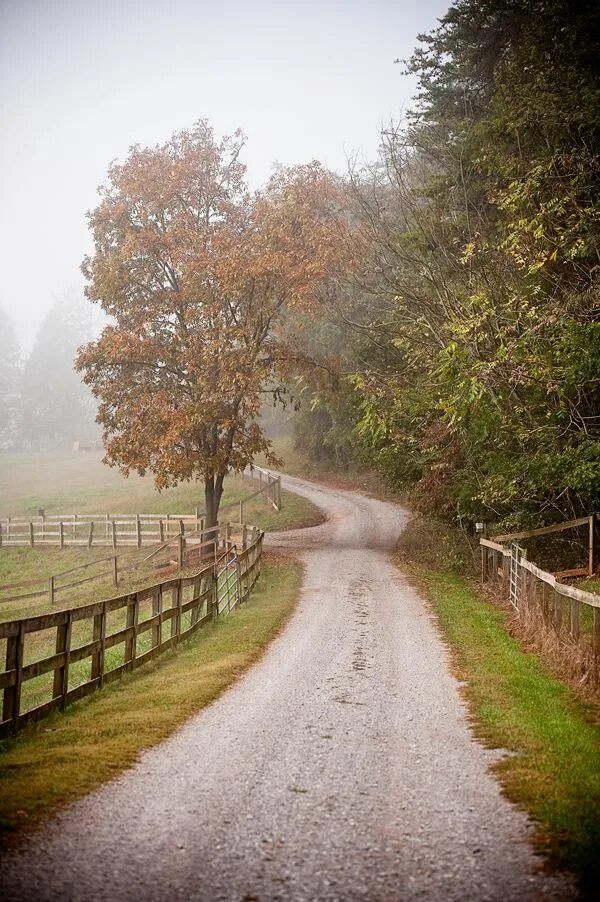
(81, 649)
(114, 566)
(126, 530)
(533, 592)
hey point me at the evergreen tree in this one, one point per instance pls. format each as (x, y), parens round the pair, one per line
(10, 383)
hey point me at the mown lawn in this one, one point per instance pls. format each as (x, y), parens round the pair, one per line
(516, 704)
(69, 754)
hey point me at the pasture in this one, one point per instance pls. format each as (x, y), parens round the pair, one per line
(70, 482)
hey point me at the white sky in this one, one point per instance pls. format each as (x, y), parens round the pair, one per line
(81, 81)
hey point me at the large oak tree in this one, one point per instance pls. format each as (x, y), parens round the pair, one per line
(196, 273)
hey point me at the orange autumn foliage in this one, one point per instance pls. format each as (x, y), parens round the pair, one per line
(196, 273)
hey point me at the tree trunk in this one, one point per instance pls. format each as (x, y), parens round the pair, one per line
(213, 490)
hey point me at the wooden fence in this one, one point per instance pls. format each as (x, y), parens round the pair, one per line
(72, 653)
(265, 483)
(568, 611)
(88, 530)
(116, 566)
(126, 530)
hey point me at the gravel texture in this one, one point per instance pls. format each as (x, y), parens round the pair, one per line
(340, 767)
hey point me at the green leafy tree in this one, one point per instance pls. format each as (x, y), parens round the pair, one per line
(480, 227)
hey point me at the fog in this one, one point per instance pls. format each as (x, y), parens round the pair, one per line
(83, 81)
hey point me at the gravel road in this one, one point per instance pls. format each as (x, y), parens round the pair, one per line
(341, 767)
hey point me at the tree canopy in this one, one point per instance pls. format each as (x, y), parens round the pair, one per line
(195, 273)
(476, 374)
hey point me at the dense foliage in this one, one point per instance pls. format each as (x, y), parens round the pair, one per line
(480, 229)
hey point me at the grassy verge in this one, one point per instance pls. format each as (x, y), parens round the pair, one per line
(518, 705)
(70, 754)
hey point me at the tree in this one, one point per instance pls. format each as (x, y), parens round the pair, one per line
(57, 407)
(10, 382)
(480, 224)
(196, 273)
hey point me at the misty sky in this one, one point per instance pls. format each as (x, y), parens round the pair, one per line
(81, 81)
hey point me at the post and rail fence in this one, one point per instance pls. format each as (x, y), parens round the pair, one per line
(126, 530)
(76, 651)
(570, 612)
(115, 567)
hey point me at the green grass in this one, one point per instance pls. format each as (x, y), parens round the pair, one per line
(70, 754)
(518, 705)
(589, 584)
(68, 482)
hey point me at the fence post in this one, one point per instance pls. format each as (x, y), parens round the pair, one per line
(596, 636)
(91, 534)
(483, 564)
(115, 571)
(14, 661)
(99, 635)
(176, 602)
(114, 533)
(51, 590)
(180, 550)
(63, 646)
(505, 575)
(557, 611)
(574, 618)
(238, 573)
(61, 534)
(31, 533)
(161, 531)
(241, 511)
(131, 623)
(157, 607)
(591, 545)
(138, 530)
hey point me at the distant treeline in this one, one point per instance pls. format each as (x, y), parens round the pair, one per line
(43, 402)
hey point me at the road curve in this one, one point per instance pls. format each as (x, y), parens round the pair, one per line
(340, 767)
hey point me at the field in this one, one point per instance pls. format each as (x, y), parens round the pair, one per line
(64, 482)
(69, 482)
(79, 482)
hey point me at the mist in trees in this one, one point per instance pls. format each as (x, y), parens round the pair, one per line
(458, 346)
(10, 382)
(474, 310)
(44, 403)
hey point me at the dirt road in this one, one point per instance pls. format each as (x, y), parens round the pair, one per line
(341, 767)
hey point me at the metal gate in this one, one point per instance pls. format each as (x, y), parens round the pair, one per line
(228, 584)
(516, 555)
